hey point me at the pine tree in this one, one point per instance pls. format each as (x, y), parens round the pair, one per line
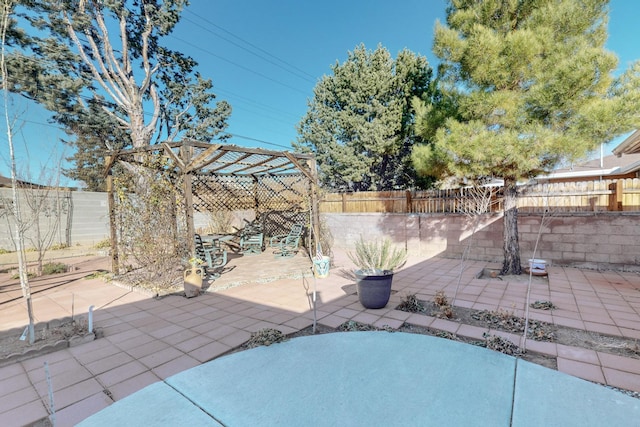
(359, 122)
(532, 84)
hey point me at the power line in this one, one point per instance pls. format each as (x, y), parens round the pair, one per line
(262, 108)
(309, 78)
(98, 126)
(258, 104)
(292, 70)
(256, 140)
(264, 76)
(112, 104)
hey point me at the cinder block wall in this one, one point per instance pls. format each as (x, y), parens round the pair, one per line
(606, 240)
(85, 219)
(90, 218)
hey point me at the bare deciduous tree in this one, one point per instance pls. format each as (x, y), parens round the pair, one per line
(6, 11)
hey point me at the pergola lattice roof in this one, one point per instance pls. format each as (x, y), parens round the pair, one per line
(226, 159)
(225, 162)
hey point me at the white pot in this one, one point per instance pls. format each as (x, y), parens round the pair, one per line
(537, 264)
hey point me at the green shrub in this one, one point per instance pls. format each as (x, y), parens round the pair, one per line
(378, 255)
(30, 275)
(412, 304)
(4, 251)
(54, 268)
(103, 244)
(58, 246)
(99, 274)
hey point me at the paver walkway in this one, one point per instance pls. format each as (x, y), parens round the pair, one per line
(147, 340)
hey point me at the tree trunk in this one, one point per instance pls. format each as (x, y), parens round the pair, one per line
(511, 264)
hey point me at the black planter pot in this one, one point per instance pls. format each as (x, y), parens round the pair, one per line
(374, 290)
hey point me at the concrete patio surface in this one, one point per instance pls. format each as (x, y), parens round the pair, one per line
(371, 379)
(146, 340)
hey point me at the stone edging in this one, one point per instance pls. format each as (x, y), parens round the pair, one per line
(36, 351)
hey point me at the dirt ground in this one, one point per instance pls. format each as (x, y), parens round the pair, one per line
(541, 331)
(12, 344)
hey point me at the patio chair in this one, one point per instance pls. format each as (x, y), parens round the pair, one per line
(251, 239)
(286, 245)
(213, 255)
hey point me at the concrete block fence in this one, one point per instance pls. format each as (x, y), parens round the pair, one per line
(600, 240)
(83, 221)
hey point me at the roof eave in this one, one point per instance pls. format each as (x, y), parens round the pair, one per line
(631, 145)
(580, 174)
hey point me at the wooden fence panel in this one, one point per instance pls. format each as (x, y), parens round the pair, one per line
(631, 195)
(566, 197)
(586, 196)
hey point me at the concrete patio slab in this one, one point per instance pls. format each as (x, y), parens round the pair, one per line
(368, 378)
(154, 405)
(548, 398)
(375, 378)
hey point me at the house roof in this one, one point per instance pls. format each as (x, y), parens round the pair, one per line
(6, 183)
(631, 145)
(624, 160)
(608, 165)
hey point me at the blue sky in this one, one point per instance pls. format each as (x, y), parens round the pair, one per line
(269, 97)
(265, 58)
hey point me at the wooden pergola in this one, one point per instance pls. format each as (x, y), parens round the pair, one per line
(224, 176)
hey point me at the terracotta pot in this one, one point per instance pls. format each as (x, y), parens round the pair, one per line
(193, 281)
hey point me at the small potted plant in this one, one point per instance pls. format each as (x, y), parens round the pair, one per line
(376, 262)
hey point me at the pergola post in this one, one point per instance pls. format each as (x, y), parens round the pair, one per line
(256, 200)
(312, 176)
(315, 214)
(186, 152)
(113, 236)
